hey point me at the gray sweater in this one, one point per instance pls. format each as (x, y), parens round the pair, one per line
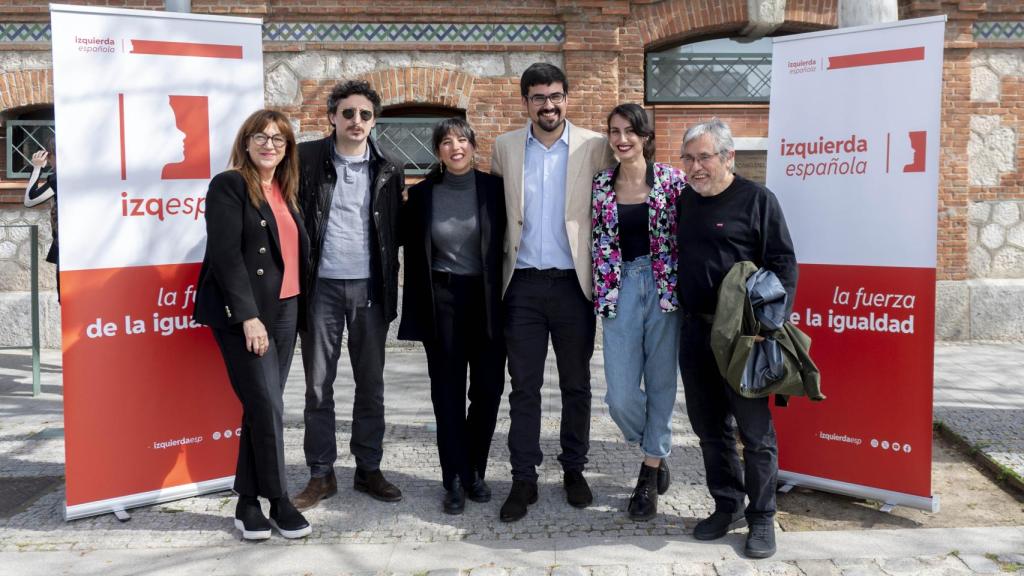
(455, 226)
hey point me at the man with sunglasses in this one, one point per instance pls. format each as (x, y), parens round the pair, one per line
(723, 219)
(350, 194)
(548, 167)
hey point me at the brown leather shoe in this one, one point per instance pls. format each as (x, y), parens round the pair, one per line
(315, 491)
(374, 484)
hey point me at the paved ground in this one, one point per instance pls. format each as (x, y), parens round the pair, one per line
(978, 396)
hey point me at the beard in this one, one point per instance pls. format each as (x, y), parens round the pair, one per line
(550, 124)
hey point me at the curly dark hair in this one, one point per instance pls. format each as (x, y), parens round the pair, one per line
(348, 88)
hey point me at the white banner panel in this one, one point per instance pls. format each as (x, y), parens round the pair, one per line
(853, 157)
(854, 142)
(147, 105)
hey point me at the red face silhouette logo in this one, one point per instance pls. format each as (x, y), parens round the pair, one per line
(918, 143)
(192, 117)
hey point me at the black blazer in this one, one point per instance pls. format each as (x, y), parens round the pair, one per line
(418, 292)
(243, 267)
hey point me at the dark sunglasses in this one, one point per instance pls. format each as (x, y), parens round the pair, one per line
(349, 113)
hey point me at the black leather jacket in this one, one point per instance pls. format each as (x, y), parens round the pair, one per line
(317, 178)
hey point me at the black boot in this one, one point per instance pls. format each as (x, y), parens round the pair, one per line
(250, 520)
(664, 478)
(522, 494)
(454, 498)
(643, 504)
(289, 522)
(478, 491)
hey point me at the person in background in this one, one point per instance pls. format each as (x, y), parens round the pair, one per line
(723, 219)
(453, 230)
(635, 276)
(248, 292)
(40, 190)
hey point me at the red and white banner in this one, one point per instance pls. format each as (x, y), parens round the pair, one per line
(147, 105)
(853, 157)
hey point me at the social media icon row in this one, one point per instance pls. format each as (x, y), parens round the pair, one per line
(894, 446)
(227, 434)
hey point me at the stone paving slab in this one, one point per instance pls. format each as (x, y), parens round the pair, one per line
(976, 551)
(977, 394)
(979, 397)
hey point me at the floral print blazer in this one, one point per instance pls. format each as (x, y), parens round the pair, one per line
(666, 183)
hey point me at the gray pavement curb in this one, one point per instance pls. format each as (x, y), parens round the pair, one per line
(629, 554)
(999, 473)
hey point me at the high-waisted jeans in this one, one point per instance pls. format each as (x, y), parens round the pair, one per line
(641, 343)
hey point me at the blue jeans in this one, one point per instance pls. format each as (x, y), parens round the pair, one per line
(641, 342)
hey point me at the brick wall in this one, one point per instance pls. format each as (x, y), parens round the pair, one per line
(603, 54)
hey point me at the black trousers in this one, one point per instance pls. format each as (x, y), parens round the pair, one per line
(338, 304)
(259, 382)
(461, 342)
(713, 406)
(540, 304)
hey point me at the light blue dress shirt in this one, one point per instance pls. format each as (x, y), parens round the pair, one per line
(544, 243)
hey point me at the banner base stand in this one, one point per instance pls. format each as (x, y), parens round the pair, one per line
(119, 506)
(888, 498)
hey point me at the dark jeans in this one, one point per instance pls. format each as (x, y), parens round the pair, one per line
(337, 304)
(712, 405)
(539, 304)
(463, 439)
(258, 381)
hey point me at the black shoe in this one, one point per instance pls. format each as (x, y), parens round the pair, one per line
(664, 477)
(250, 520)
(289, 522)
(577, 492)
(455, 498)
(643, 504)
(522, 494)
(760, 538)
(717, 525)
(374, 484)
(479, 491)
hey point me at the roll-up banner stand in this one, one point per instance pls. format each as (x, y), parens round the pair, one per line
(853, 157)
(147, 105)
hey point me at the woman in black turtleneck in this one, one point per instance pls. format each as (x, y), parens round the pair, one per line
(453, 227)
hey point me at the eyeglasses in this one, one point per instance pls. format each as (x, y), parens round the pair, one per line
(350, 113)
(540, 99)
(261, 139)
(703, 158)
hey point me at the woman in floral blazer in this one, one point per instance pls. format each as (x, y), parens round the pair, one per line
(634, 222)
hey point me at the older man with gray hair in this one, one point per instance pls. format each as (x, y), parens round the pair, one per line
(723, 219)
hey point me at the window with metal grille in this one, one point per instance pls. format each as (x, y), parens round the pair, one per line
(720, 70)
(408, 140)
(25, 138)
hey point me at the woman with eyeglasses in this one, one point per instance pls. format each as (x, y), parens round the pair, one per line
(248, 293)
(453, 230)
(635, 262)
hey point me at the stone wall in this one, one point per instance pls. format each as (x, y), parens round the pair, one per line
(16, 279)
(468, 55)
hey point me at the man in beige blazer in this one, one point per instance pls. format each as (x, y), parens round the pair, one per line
(548, 167)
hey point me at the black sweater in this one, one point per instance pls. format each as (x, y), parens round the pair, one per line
(744, 222)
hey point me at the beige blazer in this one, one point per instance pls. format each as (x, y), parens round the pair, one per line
(589, 153)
